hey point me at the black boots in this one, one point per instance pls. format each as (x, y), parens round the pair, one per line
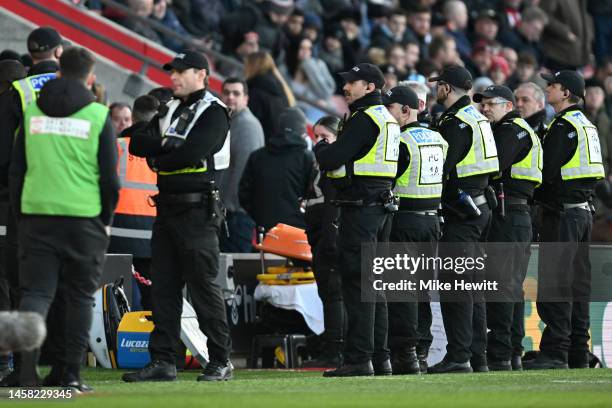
(156, 370)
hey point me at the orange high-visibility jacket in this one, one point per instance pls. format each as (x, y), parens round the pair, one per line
(138, 182)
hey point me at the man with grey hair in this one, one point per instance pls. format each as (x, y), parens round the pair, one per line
(530, 103)
(422, 92)
(455, 13)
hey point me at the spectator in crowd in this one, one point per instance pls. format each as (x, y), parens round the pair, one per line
(567, 38)
(162, 94)
(486, 27)
(121, 116)
(10, 55)
(419, 21)
(499, 71)
(456, 14)
(413, 57)
(247, 136)
(145, 107)
(294, 26)
(143, 10)
(332, 52)
(310, 78)
(391, 76)
(396, 58)
(443, 51)
(278, 175)
(394, 31)
(595, 110)
(511, 58)
(482, 58)
(531, 103)
(268, 91)
(266, 19)
(526, 36)
(601, 11)
(526, 70)
(166, 16)
(511, 12)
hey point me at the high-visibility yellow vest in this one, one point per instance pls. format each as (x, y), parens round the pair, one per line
(530, 167)
(381, 160)
(167, 127)
(423, 177)
(586, 162)
(28, 88)
(482, 156)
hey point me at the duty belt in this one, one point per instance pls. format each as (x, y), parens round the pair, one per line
(186, 198)
(515, 201)
(582, 206)
(355, 203)
(425, 212)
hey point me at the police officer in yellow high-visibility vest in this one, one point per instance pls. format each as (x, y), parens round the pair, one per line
(572, 166)
(362, 164)
(44, 46)
(186, 143)
(64, 189)
(419, 188)
(471, 158)
(520, 172)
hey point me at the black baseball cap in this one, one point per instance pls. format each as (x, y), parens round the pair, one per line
(11, 70)
(186, 60)
(455, 75)
(495, 91)
(403, 95)
(43, 39)
(571, 80)
(366, 72)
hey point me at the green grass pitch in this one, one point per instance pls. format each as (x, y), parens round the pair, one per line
(291, 389)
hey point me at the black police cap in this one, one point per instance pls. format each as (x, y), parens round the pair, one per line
(456, 76)
(495, 91)
(186, 60)
(365, 72)
(403, 95)
(570, 80)
(43, 39)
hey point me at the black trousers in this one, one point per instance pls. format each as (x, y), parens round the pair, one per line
(567, 320)
(67, 252)
(366, 337)
(464, 320)
(511, 236)
(404, 316)
(322, 234)
(185, 249)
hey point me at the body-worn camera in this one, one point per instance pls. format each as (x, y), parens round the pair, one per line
(389, 201)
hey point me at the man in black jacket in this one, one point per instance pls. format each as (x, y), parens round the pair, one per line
(467, 214)
(186, 144)
(278, 175)
(363, 164)
(530, 104)
(520, 156)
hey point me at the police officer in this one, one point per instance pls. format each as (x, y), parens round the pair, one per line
(572, 166)
(321, 217)
(520, 160)
(186, 143)
(45, 47)
(471, 158)
(362, 163)
(64, 189)
(419, 188)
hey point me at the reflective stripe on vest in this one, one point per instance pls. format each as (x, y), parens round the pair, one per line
(482, 156)
(381, 160)
(131, 233)
(167, 127)
(28, 88)
(530, 167)
(137, 183)
(423, 178)
(587, 160)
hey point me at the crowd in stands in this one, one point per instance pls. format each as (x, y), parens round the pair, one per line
(292, 50)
